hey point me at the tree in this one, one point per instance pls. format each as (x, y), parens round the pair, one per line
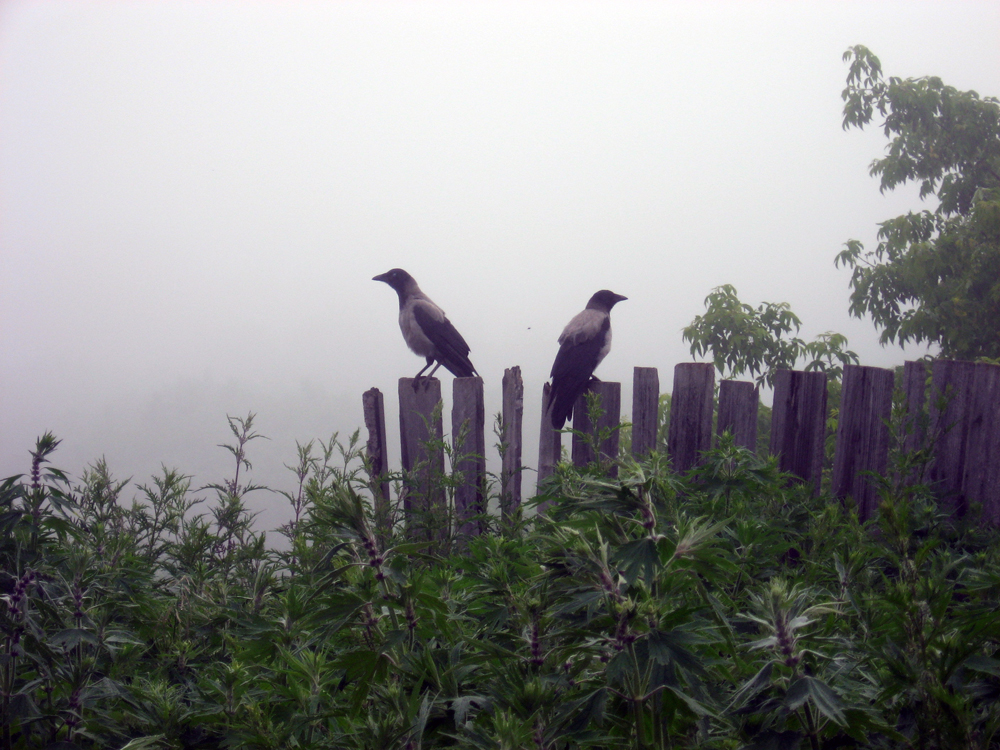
(744, 339)
(935, 275)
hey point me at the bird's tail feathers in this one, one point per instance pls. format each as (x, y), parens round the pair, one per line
(560, 408)
(462, 369)
(457, 363)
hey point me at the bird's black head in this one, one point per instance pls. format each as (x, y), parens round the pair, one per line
(604, 300)
(397, 278)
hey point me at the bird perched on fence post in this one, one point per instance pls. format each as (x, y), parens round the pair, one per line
(585, 341)
(426, 329)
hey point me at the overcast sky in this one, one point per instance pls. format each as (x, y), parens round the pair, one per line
(194, 197)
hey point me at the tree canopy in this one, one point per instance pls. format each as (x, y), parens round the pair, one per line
(758, 341)
(934, 276)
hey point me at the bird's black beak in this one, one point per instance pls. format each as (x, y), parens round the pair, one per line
(380, 277)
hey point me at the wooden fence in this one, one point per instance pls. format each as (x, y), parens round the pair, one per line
(953, 410)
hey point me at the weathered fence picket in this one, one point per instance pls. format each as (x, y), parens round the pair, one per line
(798, 424)
(982, 461)
(862, 435)
(468, 432)
(586, 435)
(915, 375)
(961, 413)
(950, 396)
(691, 407)
(549, 441)
(510, 463)
(420, 429)
(739, 402)
(645, 410)
(377, 457)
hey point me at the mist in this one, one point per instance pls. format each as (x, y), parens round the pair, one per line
(195, 196)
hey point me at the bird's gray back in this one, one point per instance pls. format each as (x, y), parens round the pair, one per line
(583, 327)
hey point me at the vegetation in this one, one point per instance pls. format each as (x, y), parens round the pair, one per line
(721, 609)
(758, 341)
(935, 275)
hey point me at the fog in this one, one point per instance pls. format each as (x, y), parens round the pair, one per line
(194, 197)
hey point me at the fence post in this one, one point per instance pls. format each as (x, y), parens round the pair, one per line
(468, 434)
(373, 405)
(862, 435)
(420, 425)
(798, 424)
(645, 410)
(982, 467)
(738, 404)
(511, 437)
(610, 395)
(951, 386)
(915, 391)
(691, 407)
(549, 443)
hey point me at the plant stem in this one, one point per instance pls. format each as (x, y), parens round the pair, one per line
(814, 741)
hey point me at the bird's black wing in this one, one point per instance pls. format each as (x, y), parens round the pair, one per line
(452, 351)
(575, 364)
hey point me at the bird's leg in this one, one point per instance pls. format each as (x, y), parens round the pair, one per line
(416, 378)
(431, 373)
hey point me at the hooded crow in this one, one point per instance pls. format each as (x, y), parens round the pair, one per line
(584, 342)
(426, 329)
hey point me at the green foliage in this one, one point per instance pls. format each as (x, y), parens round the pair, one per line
(743, 339)
(935, 275)
(721, 609)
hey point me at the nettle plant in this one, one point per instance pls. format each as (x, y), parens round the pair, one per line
(723, 608)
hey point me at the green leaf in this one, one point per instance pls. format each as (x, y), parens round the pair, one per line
(141, 743)
(583, 712)
(825, 700)
(73, 637)
(667, 648)
(410, 548)
(637, 558)
(983, 664)
(465, 705)
(752, 686)
(103, 689)
(797, 694)
(696, 706)
(22, 707)
(771, 740)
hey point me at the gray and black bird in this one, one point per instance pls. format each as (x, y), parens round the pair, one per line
(426, 329)
(585, 341)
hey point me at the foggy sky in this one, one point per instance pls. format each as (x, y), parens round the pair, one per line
(194, 197)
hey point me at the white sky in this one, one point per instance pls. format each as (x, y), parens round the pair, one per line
(194, 197)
